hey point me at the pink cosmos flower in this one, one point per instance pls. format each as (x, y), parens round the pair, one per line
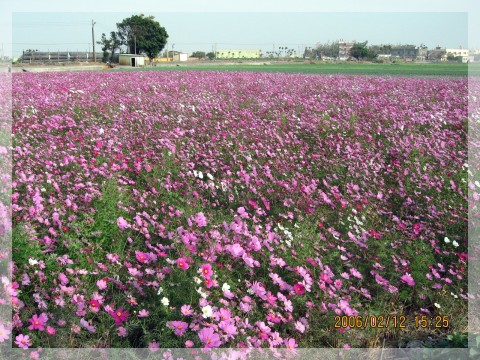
(271, 299)
(51, 331)
(23, 341)
(4, 333)
(122, 223)
(209, 338)
(143, 313)
(299, 288)
(121, 331)
(182, 263)
(120, 315)
(179, 327)
(153, 346)
(189, 344)
(236, 250)
(142, 257)
(200, 220)
(207, 271)
(290, 343)
(102, 284)
(186, 310)
(94, 305)
(408, 279)
(37, 322)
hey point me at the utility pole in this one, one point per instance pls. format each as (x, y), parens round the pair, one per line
(93, 43)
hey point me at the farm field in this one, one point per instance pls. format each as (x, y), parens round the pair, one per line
(398, 69)
(238, 209)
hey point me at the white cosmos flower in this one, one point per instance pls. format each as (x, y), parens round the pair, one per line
(210, 176)
(32, 261)
(437, 305)
(207, 311)
(225, 287)
(454, 243)
(160, 290)
(197, 280)
(447, 240)
(165, 301)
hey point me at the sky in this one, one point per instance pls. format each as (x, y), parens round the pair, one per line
(267, 24)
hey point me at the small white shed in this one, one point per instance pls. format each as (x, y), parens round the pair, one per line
(180, 56)
(132, 60)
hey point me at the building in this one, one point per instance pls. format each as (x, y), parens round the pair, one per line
(177, 55)
(409, 52)
(238, 54)
(180, 56)
(134, 60)
(344, 50)
(457, 53)
(436, 55)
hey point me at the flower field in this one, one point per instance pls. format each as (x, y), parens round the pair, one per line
(188, 209)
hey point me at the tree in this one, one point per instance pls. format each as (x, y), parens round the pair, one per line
(210, 55)
(142, 34)
(329, 49)
(361, 51)
(199, 54)
(110, 45)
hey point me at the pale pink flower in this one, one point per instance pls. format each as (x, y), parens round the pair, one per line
(209, 338)
(122, 223)
(23, 341)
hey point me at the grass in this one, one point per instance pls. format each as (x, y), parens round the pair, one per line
(403, 69)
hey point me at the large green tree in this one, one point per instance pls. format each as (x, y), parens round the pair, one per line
(142, 34)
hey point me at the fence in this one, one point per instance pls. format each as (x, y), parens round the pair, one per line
(59, 56)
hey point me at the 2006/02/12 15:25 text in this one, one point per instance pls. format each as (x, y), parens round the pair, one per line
(379, 321)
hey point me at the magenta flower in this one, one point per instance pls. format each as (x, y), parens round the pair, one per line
(120, 315)
(23, 341)
(142, 257)
(50, 330)
(37, 322)
(207, 271)
(408, 279)
(209, 338)
(182, 263)
(299, 288)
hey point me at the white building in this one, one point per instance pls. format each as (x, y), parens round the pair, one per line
(131, 60)
(463, 53)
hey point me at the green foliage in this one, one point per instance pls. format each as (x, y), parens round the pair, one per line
(142, 34)
(199, 54)
(110, 44)
(210, 55)
(360, 51)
